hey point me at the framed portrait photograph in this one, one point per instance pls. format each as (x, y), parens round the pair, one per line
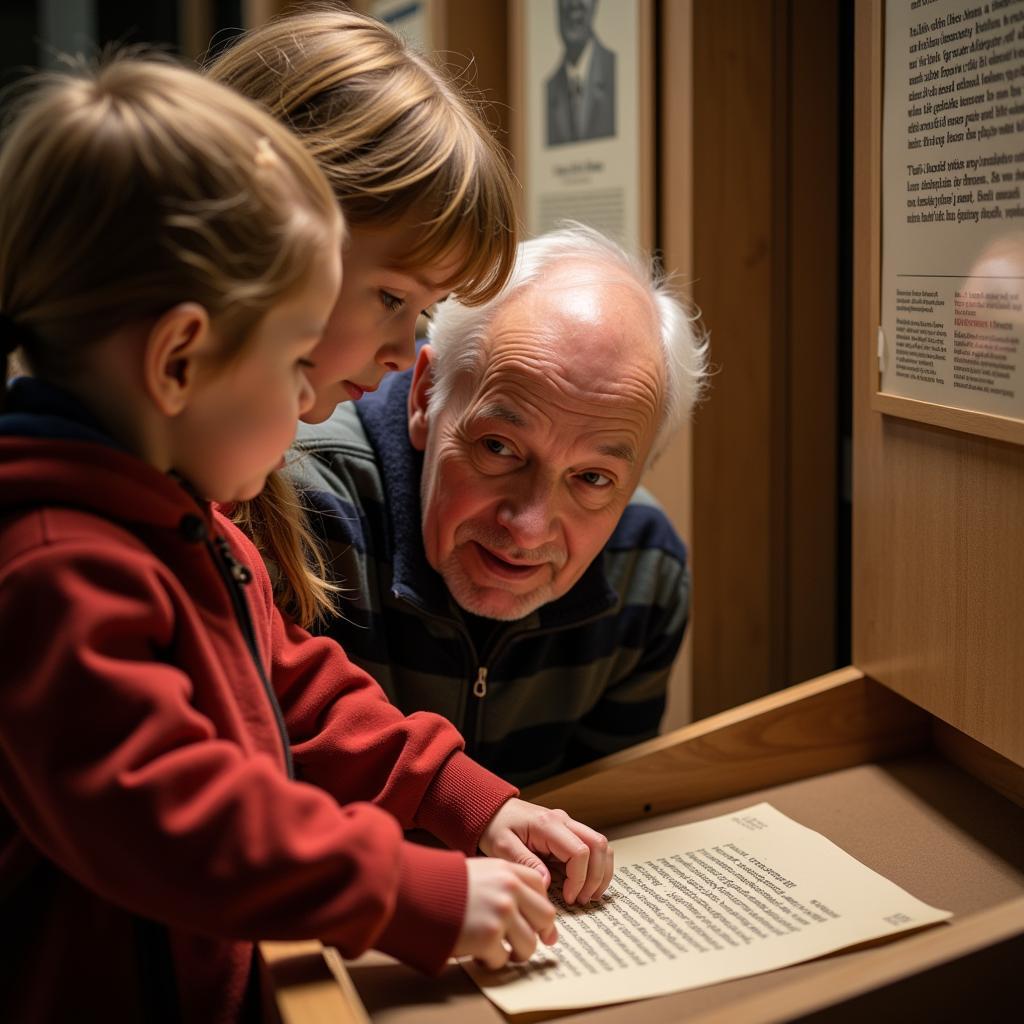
(583, 78)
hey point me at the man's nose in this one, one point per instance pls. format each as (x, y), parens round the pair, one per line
(528, 513)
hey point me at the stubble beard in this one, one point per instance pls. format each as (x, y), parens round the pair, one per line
(477, 600)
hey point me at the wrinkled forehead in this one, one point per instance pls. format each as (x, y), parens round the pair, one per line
(588, 324)
(580, 351)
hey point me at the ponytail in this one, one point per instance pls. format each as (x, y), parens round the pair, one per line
(275, 520)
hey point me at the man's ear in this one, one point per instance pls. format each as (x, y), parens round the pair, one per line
(173, 350)
(422, 379)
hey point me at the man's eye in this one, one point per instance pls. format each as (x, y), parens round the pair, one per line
(496, 447)
(594, 479)
(392, 303)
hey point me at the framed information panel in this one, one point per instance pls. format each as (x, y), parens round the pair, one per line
(583, 114)
(950, 340)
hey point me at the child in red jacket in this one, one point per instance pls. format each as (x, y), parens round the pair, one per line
(182, 770)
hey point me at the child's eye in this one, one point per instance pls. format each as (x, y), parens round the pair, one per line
(594, 479)
(306, 364)
(392, 303)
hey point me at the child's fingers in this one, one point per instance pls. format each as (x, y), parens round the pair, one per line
(562, 842)
(533, 880)
(575, 873)
(534, 904)
(589, 862)
(494, 956)
(521, 937)
(517, 852)
(609, 873)
(600, 865)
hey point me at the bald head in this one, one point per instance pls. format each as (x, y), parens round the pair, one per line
(585, 338)
(601, 308)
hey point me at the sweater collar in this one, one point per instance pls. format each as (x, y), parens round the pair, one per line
(385, 419)
(35, 408)
(53, 450)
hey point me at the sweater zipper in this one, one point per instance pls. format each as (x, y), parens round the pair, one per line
(475, 706)
(478, 690)
(480, 686)
(236, 575)
(474, 709)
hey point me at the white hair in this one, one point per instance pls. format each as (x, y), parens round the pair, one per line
(458, 334)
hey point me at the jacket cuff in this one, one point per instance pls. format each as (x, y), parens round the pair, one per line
(461, 800)
(430, 906)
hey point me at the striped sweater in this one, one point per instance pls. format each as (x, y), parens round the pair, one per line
(581, 677)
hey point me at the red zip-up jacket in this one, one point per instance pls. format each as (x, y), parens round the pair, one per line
(151, 698)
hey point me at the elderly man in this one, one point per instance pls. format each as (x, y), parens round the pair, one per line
(500, 566)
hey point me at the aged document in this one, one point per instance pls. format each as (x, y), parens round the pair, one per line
(689, 906)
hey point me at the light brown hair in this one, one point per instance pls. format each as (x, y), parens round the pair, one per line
(397, 140)
(130, 187)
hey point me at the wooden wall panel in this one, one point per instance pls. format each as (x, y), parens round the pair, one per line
(468, 30)
(938, 540)
(765, 263)
(737, 549)
(812, 325)
(671, 479)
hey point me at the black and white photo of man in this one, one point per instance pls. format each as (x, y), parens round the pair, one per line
(581, 92)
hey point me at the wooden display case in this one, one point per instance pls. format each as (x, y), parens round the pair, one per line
(912, 759)
(908, 795)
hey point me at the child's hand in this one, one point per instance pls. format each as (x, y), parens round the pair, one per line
(520, 831)
(506, 909)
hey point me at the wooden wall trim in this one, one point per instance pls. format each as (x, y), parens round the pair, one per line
(671, 478)
(307, 983)
(836, 721)
(812, 286)
(976, 759)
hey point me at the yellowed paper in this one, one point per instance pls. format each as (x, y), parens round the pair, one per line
(689, 906)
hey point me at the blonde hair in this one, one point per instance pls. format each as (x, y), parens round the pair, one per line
(139, 185)
(396, 140)
(391, 133)
(134, 186)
